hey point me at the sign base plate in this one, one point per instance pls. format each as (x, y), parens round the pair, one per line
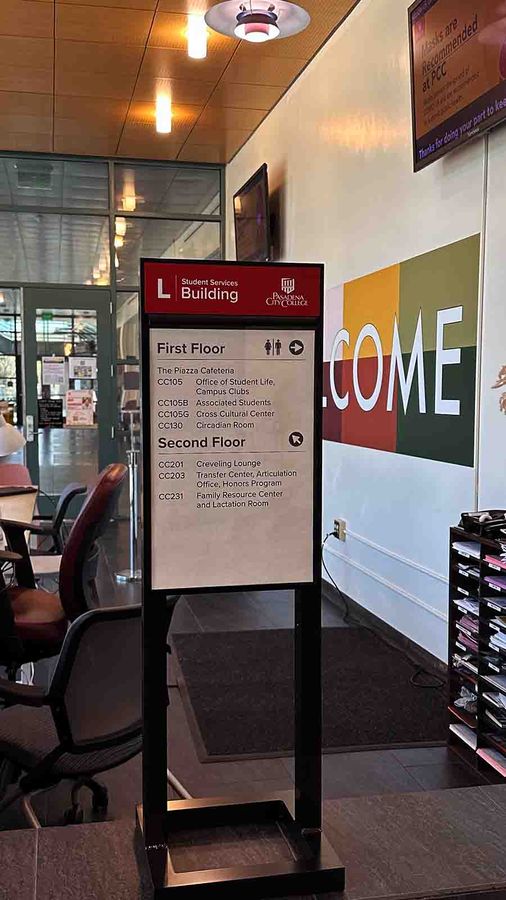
(313, 867)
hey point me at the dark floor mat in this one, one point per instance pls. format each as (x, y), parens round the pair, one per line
(238, 691)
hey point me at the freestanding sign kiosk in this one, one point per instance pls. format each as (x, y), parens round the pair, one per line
(231, 424)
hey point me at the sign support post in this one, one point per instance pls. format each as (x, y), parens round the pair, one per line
(231, 424)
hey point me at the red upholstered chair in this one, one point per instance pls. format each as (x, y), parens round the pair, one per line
(15, 475)
(33, 622)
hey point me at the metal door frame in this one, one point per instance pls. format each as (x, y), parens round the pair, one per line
(97, 299)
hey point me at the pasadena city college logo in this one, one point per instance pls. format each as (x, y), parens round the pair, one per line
(288, 285)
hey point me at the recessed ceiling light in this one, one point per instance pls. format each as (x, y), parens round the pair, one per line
(163, 112)
(257, 20)
(120, 226)
(197, 37)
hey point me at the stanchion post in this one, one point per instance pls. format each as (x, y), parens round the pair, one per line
(308, 709)
(132, 574)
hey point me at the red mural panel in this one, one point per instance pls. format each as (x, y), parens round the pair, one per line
(332, 416)
(376, 429)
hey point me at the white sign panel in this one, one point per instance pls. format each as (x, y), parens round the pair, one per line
(231, 457)
(80, 412)
(53, 370)
(82, 367)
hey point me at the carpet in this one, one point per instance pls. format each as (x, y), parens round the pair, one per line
(238, 693)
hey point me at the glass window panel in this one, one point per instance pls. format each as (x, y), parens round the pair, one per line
(127, 325)
(52, 248)
(166, 189)
(67, 451)
(164, 239)
(10, 346)
(128, 422)
(10, 300)
(73, 184)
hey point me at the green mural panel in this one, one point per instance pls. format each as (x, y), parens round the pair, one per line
(441, 437)
(440, 279)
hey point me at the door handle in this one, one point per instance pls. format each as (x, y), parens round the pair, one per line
(29, 429)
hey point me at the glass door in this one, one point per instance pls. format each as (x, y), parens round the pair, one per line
(68, 378)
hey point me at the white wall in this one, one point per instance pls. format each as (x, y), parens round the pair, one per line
(339, 147)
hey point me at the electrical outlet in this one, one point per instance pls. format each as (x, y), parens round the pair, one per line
(340, 529)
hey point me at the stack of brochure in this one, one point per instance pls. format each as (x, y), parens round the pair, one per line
(468, 604)
(467, 548)
(498, 641)
(497, 581)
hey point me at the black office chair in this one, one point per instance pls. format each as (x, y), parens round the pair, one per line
(87, 722)
(54, 526)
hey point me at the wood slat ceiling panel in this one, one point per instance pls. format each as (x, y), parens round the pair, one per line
(81, 77)
(27, 64)
(116, 4)
(169, 30)
(107, 24)
(26, 18)
(245, 96)
(194, 93)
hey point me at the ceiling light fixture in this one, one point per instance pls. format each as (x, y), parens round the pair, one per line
(258, 20)
(163, 113)
(197, 37)
(129, 198)
(120, 226)
(118, 241)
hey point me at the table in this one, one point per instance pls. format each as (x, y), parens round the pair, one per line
(19, 507)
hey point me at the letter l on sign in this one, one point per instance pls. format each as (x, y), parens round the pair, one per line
(161, 294)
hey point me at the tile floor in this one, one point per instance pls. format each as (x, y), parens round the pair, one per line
(344, 774)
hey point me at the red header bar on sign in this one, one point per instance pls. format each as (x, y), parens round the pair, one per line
(231, 289)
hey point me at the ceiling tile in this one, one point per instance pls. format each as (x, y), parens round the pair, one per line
(148, 149)
(85, 69)
(26, 18)
(28, 143)
(141, 122)
(202, 153)
(96, 113)
(27, 64)
(91, 84)
(227, 118)
(120, 4)
(218, 137)
(14, 102)
(194, 93)
(27, 51)
(19, 78)
(85, 145)
(85, 56)
(185, 6)
(246, 96)
(117, 26)
(177, 64)
(82, 129)
(273, 71)
(169, 30)
(16, 122)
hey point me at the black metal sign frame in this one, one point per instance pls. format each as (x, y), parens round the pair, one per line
(314, 867)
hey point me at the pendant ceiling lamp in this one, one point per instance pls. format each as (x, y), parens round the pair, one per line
(257, 20)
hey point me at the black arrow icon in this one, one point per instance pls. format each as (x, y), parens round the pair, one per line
(296, 439)
(296, 348)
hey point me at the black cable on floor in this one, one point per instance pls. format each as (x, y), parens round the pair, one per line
(436, 684)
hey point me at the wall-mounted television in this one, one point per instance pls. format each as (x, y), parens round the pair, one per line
(458, 73)
(251, 218)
